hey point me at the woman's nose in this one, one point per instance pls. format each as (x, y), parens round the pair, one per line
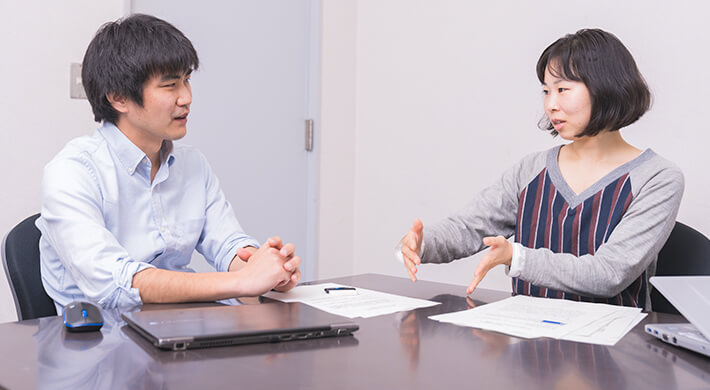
(551, 103)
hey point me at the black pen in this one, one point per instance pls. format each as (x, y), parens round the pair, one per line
(336, 289)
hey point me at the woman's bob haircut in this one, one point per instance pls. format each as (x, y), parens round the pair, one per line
(617, 90)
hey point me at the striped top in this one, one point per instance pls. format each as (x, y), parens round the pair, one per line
(599, 246)
(546, 220)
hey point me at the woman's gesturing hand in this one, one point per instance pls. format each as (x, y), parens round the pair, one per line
(501, 252)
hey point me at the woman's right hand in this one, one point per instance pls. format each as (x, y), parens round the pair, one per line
(412, 248)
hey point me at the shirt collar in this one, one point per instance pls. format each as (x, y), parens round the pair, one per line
(128, 154)
(166, 152)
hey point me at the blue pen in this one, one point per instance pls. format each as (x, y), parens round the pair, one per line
(328, 290)
(553, 322)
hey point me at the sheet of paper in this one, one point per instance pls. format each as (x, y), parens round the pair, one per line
(608, 330)
(529, 317)
(523, 316)
(365, 303)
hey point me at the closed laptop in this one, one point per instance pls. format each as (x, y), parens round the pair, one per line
(211, 326)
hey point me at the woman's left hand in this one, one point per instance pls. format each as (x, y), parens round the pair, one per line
(501, 252)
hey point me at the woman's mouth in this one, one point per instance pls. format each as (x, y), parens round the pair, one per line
(557, 124)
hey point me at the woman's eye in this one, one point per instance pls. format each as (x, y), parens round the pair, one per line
(545, 92)
(560, 90)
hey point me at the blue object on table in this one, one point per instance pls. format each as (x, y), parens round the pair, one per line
(82, 316)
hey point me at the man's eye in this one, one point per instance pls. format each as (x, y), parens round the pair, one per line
(545, 92)
(560, 90)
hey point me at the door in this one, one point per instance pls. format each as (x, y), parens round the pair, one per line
(250, 103)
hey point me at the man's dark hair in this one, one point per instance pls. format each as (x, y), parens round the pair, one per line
(618, 92)
(124, 54)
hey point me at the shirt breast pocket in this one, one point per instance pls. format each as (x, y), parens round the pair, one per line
(187, 234)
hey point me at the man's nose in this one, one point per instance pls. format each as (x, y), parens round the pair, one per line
(185, 97)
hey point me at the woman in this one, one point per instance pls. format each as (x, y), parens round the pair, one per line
(589, 217)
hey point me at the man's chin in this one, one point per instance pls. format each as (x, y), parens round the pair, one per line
(177, 135)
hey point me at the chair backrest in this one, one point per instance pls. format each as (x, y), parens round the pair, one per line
(20, 258)
(686, 253)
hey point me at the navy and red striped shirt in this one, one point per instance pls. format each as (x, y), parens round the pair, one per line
(546, 220)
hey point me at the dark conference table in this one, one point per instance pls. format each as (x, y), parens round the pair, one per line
(404, 350)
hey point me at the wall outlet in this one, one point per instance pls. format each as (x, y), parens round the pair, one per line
(76, 88)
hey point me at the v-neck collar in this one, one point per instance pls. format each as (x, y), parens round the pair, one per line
(573, 199)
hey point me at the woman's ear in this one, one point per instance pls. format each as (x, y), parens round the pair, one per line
(119, 103)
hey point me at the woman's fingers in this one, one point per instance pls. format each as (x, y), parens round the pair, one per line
(481, 270)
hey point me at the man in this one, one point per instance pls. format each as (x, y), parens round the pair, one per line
(124, 209)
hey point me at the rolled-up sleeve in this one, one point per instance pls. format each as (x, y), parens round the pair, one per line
(76, 247)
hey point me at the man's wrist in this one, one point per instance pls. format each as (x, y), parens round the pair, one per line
(239, 285)
(236, 265)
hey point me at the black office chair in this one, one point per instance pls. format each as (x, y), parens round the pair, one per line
(20, 258)
(687, 252)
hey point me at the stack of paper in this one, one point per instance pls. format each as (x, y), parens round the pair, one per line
(362, 303)
(530, 317)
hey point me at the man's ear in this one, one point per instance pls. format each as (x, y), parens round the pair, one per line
(118, 102)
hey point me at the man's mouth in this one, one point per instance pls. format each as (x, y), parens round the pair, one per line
(182, 117)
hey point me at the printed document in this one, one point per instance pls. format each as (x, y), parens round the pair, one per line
(530, 317)
(356, 302)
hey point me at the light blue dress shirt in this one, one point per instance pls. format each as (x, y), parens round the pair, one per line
(103, 220)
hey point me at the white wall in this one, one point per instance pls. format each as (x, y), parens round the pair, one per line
(39, 40)
(338, 119)
(446, 98)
